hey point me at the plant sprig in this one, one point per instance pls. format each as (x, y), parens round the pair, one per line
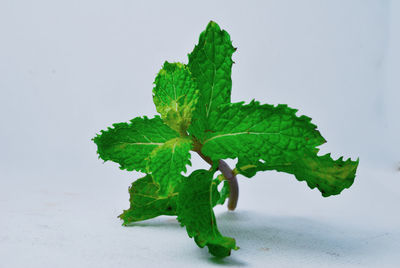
(197, 115)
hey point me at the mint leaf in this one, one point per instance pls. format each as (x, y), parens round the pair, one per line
(254, 131)
(168, 161)
(130, 144)
(145, 202)
(224, 193)
(175, 95)
(281, 140)
(210, 64)
(328, 175)
(219, 197)
(195, 212)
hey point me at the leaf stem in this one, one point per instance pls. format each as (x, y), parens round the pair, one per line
(205, 158)
(229, 175)
(233, 184)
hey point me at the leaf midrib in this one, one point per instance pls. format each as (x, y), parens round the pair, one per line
(241, 133)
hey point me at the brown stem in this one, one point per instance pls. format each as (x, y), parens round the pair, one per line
(229, 175)
(205, 158)
(233, 184)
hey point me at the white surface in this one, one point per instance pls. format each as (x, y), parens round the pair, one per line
(63, 222)
(71, 68)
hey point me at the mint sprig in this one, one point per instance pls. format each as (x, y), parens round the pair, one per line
(197, 115)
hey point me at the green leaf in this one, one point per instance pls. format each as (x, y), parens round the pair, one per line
(264, 137)
(130, 144)
(195, 211)
(145, 202)
(329, 176)
(167, 162)
(224, 193)
(175, 95)
(219, 197)
(254, 131)
(210, 64)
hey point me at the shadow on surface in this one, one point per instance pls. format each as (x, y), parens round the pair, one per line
(299, 237)
(229, 261)
(295, 239)
(161, 221)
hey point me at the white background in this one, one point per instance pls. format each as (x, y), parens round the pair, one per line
(71, 68)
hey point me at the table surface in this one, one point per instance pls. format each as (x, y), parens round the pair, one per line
(54, 221)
